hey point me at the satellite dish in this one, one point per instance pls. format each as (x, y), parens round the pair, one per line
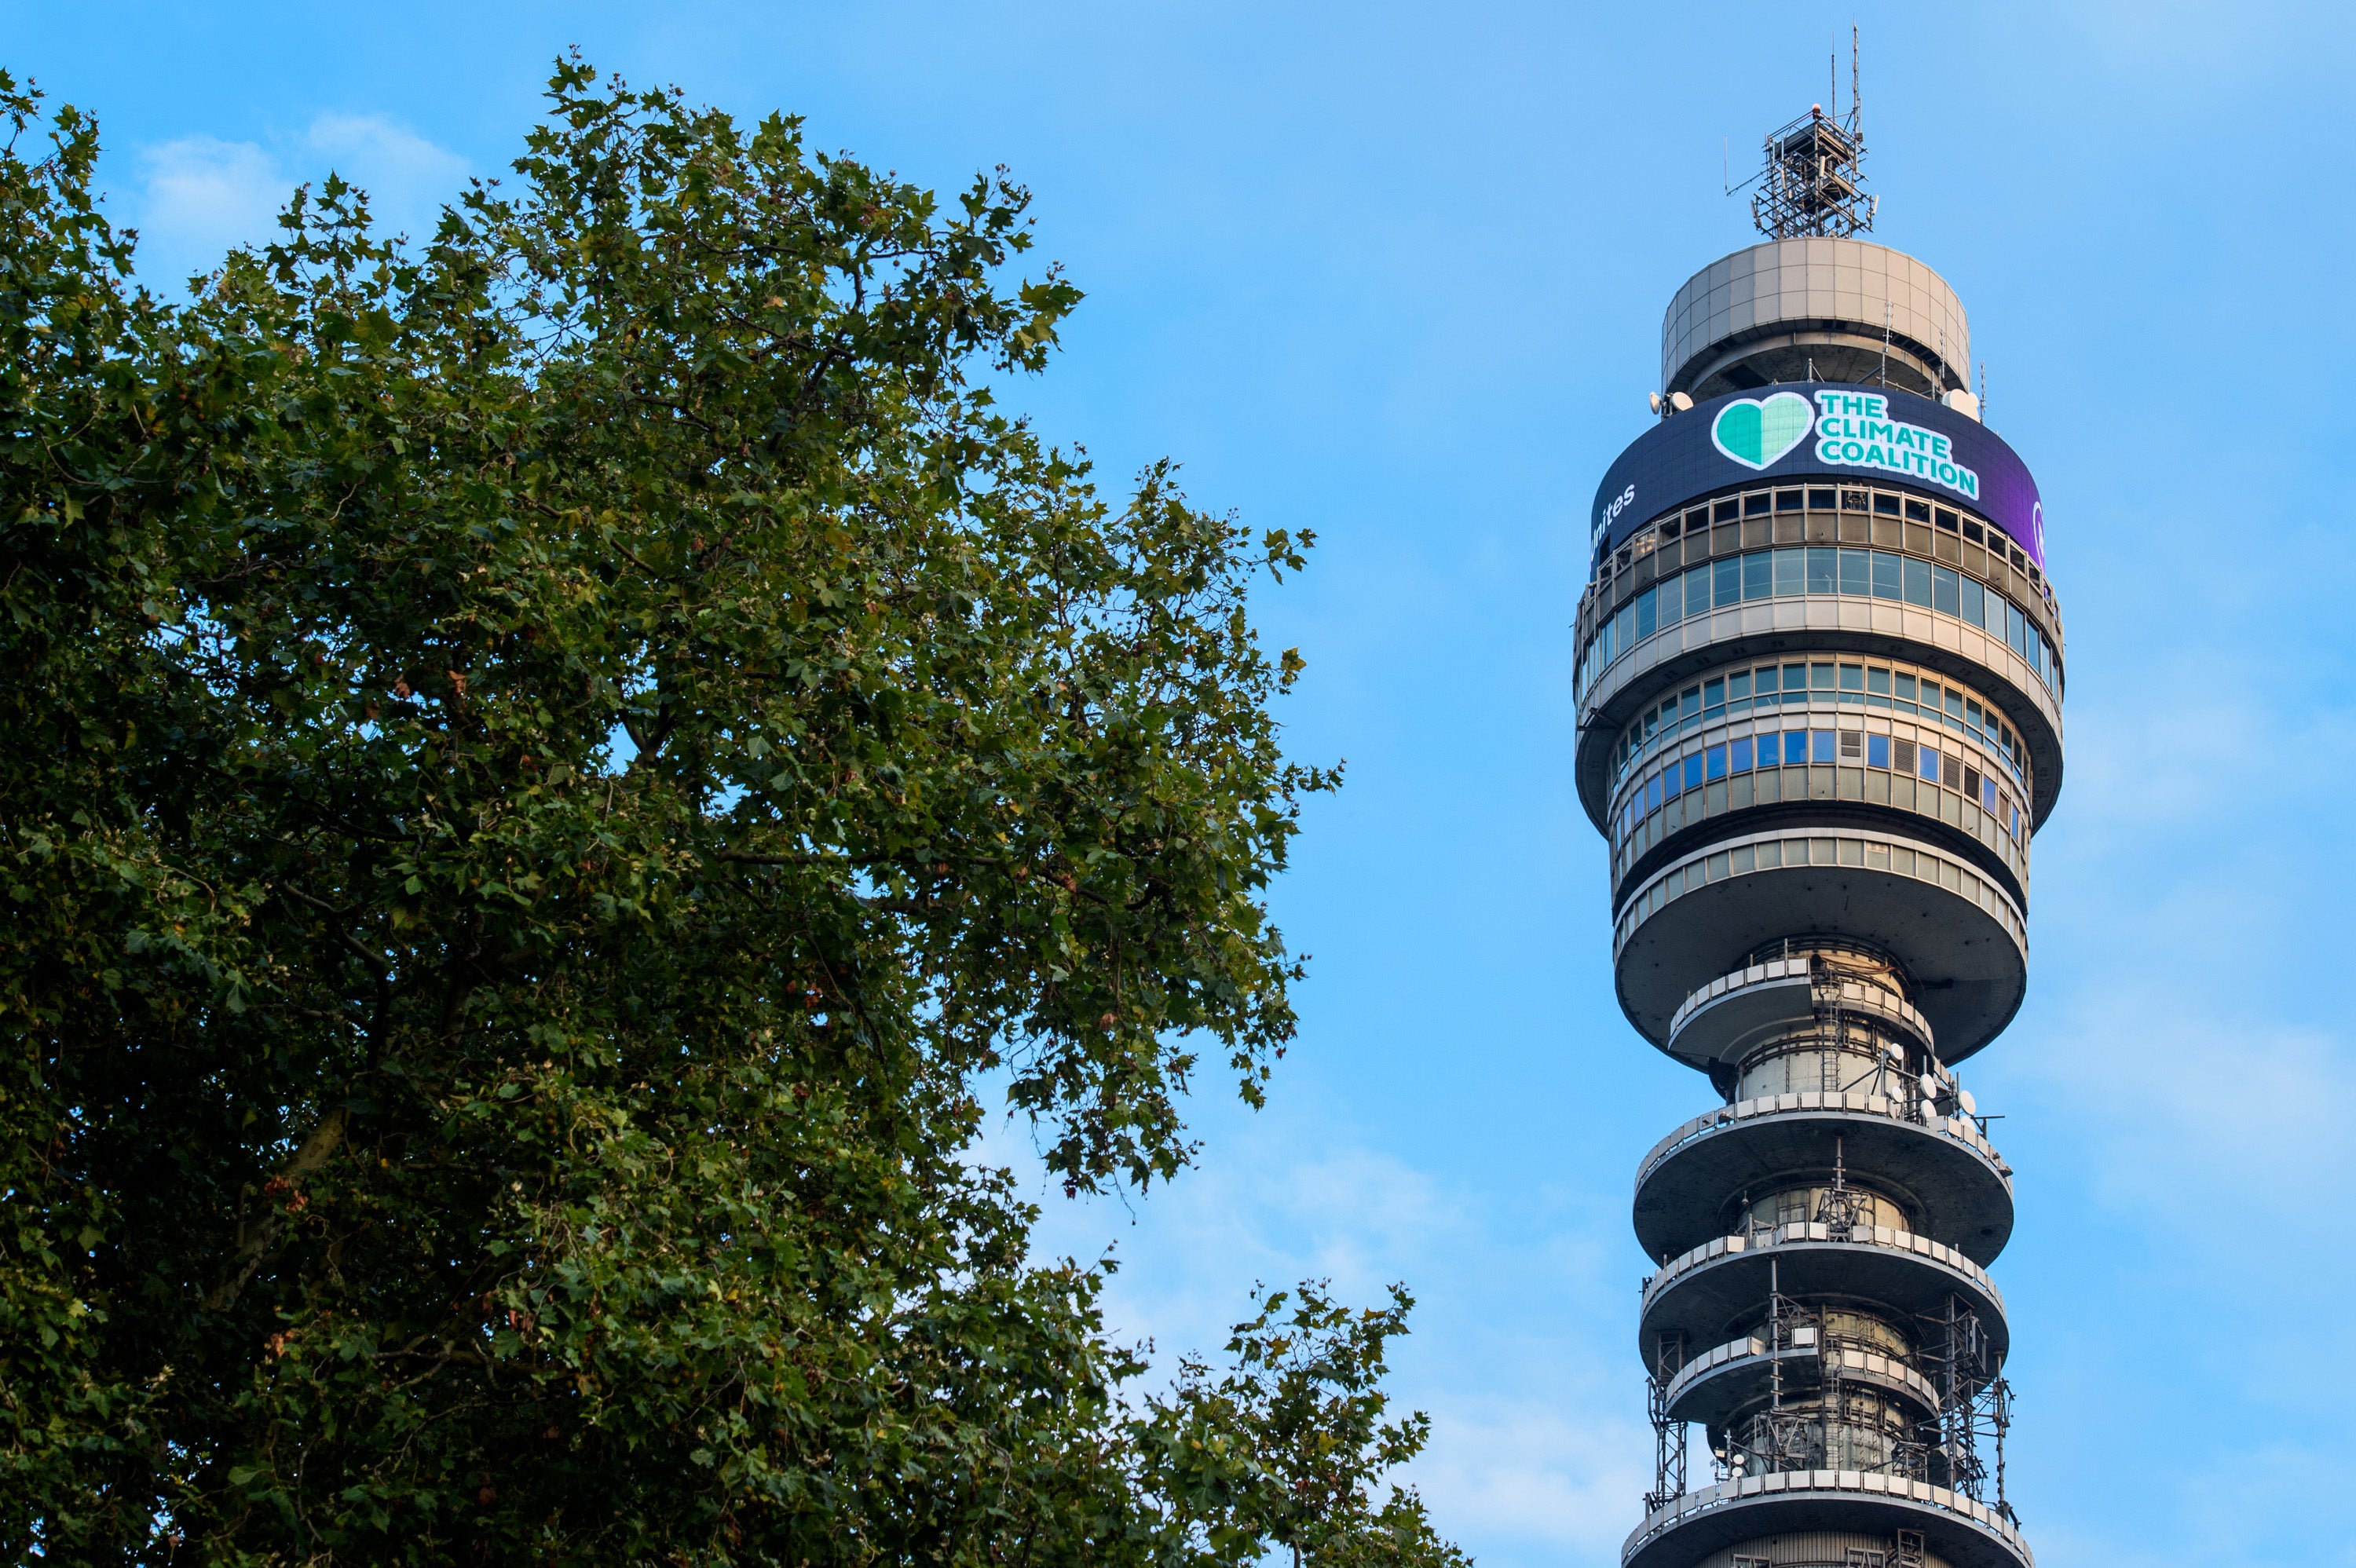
(1930, 1086)
(1679, 402)
(1654, 398)
(1964, 1098)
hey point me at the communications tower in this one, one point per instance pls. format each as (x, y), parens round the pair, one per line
(1819, 683)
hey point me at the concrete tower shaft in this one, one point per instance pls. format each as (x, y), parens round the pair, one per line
(1820, 682)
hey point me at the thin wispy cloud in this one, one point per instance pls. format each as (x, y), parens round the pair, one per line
(198, 196)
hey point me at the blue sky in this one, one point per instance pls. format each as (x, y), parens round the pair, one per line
(1396, 273)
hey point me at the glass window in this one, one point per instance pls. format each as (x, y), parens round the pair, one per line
(1787, 500)
(1757, 575)
(1820, 745)
(1918, 581)
(1791, 571)
(1971, 780)
(1917, 512)
(1877, 750)
(1727, 510)
(1906, 685)
(1955, 709)
(1653, 795)
(1929, 764)
(1646, 622)
(1795, 746)
(1766, 678)
(1714, 762)
(1696, 584)
(1855, 577)
(1737, 686)
(1852, 677)
(1987, 795)
(1692, 770)
(1741, 755)
(1713, 694)
(1753, 506)
(1796, 677)
(1974, 608)
(1901, 755)
(1820, 676)
(1820, 500)
(1946, 591)
(1885, 570)
(1878, 680)
(1728, 576)
(1822, 571)
(1886, 505)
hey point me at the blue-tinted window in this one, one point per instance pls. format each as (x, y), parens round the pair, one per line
(1766, 678)
(1727, 574)
(1653, 795)
(1791, 571)
(1885, 570)
(1852, 677)
(1713, 694)
(1795, 745)
(1855, 576)
(1822, 571)
(1647, 621)
(1820, 677)
(1918, 583)
(1689, 703)
(1693, 772)
(1737, 686)
(2014, 626)
(1696, 584)
(1877, 750)
(1714, 762)
(1929, 764)
(1820, 745)
(1796, 677)
(1946, 591)
(1741, 760)
(1955, 709)
(1975, 603)
(1757, 575)
(1987, 795)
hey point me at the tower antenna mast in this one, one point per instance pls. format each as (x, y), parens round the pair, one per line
(1814, 169)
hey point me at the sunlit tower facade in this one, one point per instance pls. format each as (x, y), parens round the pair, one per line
(1820, 678)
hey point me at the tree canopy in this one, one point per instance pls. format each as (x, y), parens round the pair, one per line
(548, 768)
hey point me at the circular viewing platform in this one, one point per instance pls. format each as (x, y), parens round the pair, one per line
(1945, 1167)
(1956, 1528)
(1699, 1297)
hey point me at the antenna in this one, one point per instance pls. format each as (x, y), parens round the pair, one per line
(1813, 169)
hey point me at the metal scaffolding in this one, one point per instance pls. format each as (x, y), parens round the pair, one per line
(1814, 173)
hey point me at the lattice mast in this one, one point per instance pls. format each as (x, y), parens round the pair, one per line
(1812, 181)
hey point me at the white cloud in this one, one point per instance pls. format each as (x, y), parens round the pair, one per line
(1538, 1473)
(200, 196)
(204, 196)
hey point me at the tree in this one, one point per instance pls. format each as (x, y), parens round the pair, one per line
(544, 768)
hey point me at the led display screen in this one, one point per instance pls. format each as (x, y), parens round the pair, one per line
(1824, 431)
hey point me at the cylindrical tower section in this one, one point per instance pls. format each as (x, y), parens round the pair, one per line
(1820, 678)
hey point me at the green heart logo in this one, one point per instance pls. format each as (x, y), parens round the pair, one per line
(1757, 432)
